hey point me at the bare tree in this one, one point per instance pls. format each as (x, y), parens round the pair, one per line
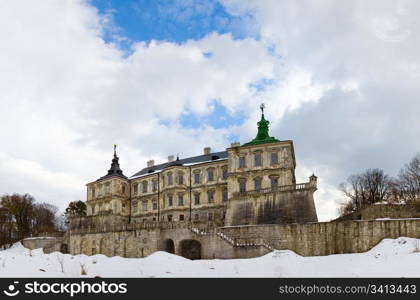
(369, 187)
(408, 181)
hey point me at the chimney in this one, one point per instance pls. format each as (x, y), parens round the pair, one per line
(150, 163)
(171, 158)
(207, 150)
(235, 144)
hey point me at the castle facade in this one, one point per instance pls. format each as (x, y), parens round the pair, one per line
(249, 184)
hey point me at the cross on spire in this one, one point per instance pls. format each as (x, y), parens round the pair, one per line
(115, 150)
(262, 106)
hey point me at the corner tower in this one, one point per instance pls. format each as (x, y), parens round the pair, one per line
(109, 195)
(262, 182)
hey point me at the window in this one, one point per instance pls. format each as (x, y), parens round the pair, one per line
(274, 158)
(135, 206)
(210, 216)
(197, 178)
(123, 189)
(181, 217)
(210, 196)
(274, 182)
(242, 185)
(224, 173)
(258, 160)
(169, 178)
(225, 195)
(145, 206)
(154, 219)
(155, 185)
(144, 186)
(180, 200)
(107, 188)
(210, 175)
(170, 200)
(155, 205)
(93, 192)
(257, 184)
(242, 162)
(196, 217)
(93, 209)
(135, 188)
(197, 198)
(169, 218)
(180, 179)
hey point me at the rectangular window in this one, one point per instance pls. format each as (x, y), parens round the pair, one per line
(225, 174)
(155, 206)
(155, 185)
(145, 187)
(274, 158)
(197, 198)
(210, 215)
(180, 179)
(210, 196)
(196, 217)
(258, 160)
(145, 206)
(242, 185)
(135, 206)
(170, 182)
(225, 196)
(169, 218)
(257, 184)
(180, 200)
(135, 188)
(181, 217)
(210, 175)
(170, 200)
(242, 162)
(196, 178)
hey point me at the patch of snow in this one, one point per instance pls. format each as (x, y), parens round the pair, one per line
(390, 258)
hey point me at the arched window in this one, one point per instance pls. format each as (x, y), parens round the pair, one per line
(242, 162)
(257, 183)
(197, 198)
(144, 185)
(169, 178)
(180, 178)
(224, 173)
(242, 185)
(274, 182)
(210, 174)
(210, 196)
(257, 159)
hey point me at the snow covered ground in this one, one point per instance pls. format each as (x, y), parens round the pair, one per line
(390, 258)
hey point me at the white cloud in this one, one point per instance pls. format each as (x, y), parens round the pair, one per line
(67, 96)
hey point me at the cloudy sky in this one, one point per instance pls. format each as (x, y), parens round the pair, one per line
(340, 78)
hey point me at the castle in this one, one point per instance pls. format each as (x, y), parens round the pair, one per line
(239, 203)
(247, 184)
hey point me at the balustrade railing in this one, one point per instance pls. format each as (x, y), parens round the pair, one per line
(283, 188)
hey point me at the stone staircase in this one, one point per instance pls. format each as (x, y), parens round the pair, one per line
(234, 242)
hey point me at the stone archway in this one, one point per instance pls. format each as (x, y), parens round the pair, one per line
(168, 246)
(190, 249)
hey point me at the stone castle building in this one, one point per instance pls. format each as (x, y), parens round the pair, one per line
(180, 205)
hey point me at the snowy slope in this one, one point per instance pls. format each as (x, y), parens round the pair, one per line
(390, 258)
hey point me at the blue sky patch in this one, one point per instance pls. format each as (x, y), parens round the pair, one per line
(174, 21)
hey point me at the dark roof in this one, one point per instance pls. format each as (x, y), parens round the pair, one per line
(115, 169)
(180, 162)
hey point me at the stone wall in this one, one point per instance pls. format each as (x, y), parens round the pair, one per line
(328, 237)
(48, 244)
(279, 207)
(244, 241)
